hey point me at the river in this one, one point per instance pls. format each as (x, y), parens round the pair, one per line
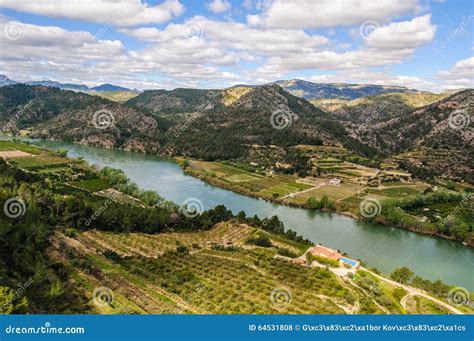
(380, 246)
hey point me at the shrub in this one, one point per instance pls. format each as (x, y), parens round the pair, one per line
(263, 241)
(182, 249)
(287, 253)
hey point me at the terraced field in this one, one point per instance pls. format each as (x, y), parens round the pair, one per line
(263, 185)
(218, 272)
(289, 189)
(151, 273)
(12, 146)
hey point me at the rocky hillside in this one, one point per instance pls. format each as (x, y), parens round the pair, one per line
(223, 124)
(446, 125)
(41, 111)
(379, 107)
(175, 101)
(432, 140)
(345, 91)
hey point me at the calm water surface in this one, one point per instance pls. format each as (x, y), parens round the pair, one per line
(382, 247)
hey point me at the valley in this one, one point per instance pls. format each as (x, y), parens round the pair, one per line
(241, 156)
(229, 266)
(382, 247)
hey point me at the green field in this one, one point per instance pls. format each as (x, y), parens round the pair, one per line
(395, 191)
(92, 185)
(41, 161)
(10, 146)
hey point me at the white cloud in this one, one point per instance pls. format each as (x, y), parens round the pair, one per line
(117, 12)
(329, 13)
(364, 76)
(233, 35)
(406, 34)
(53, 44)
(461, 75)
(247, 4)
(219, 6)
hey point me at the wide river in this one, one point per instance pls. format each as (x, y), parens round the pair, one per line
(382, 247)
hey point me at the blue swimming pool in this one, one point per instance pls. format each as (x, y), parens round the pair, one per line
(351, 262)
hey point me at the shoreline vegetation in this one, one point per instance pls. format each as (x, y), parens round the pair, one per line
(324, 204)
(177, 263)
(406, 221)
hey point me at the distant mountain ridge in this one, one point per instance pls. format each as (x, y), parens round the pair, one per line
(62, 86)
(310, 91)
(431, 140)
(109, 87)
(4, 80)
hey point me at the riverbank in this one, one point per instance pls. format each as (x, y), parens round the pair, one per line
(381, 248)
(235, 180)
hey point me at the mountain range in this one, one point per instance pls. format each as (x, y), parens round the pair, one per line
(311, 91)
(4, 80)
(229, 123)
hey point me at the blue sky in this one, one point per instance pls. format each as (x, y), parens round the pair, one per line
(217, 43)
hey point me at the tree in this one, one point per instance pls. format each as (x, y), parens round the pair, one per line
(324, 202)
(241, 216)
(185, 164)
(402, 275)
(312, 203)
(263, 241)
(149, 197)
(61, 152)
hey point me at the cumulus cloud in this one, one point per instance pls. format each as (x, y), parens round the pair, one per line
(275, 42)
(461, 75)
(234, 35)
(406, 34)
(53, 43)
(219, 6)
(329, 13)
(117, 12)
(58, 54)
(364, 76)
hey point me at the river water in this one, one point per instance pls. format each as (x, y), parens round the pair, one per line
(382, 247)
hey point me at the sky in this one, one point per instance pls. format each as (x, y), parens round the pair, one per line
(421, 44)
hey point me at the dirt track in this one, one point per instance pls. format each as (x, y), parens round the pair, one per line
(13, 153)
